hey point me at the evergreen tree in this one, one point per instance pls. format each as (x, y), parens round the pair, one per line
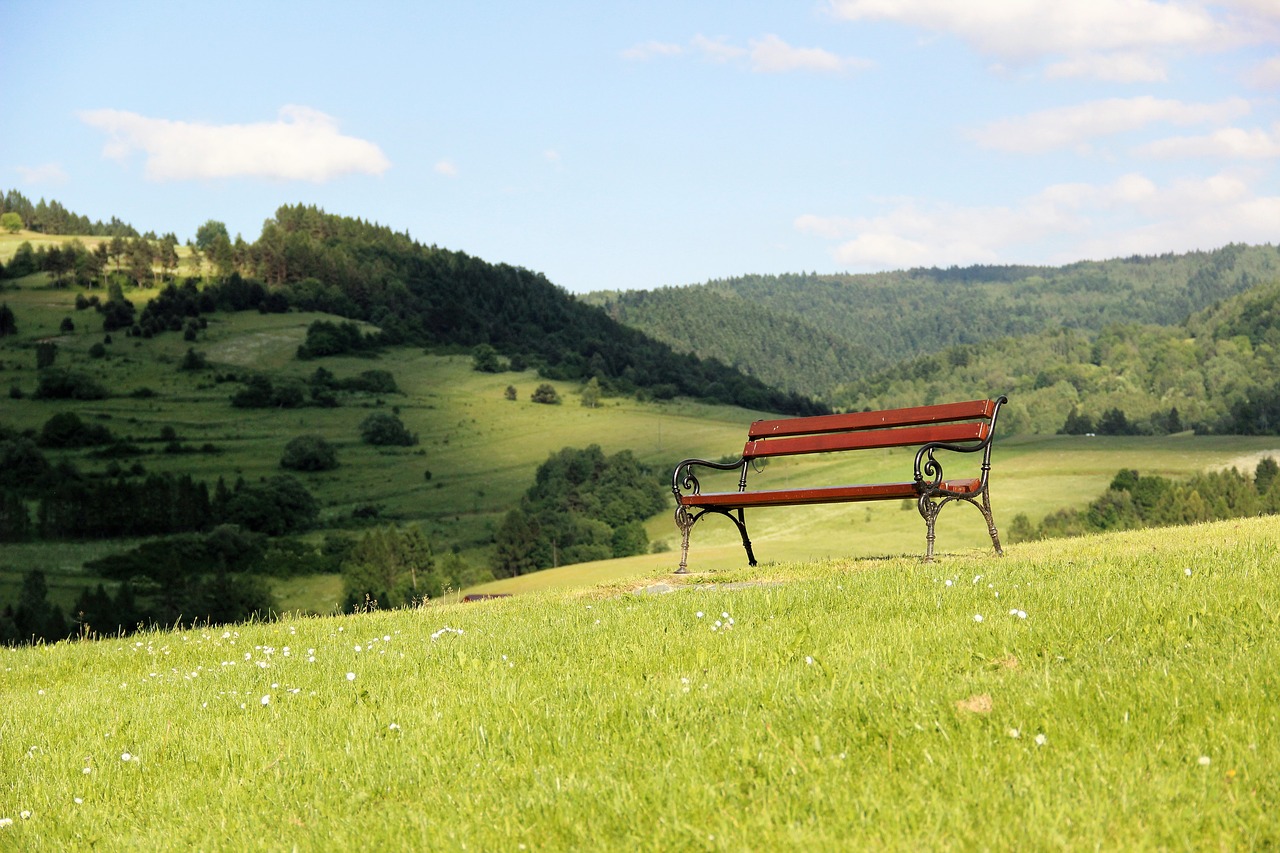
(34, 617)
(391, 566)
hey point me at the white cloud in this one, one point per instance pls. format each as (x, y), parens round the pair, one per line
(1024, 30)
(1265, 75)
(1117, 68)
(1064, 127)
(768, 54)
(1063, 222)
(1231, 143)
(303, 144)
(718, 50)
(45, 173)
(650, 49)
(447, 168)
(772, 54)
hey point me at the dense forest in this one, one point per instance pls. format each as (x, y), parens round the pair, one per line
(884, 318)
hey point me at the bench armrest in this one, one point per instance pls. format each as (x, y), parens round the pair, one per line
(928, 470)
(685, 481)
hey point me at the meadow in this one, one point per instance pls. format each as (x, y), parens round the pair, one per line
(478, 451)
(1115, 691)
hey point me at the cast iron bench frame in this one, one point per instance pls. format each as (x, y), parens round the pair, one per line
(960, 427)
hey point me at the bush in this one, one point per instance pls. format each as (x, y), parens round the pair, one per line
(385, 429)
(66, 429)
(545, 393)
(309, 453)
(275, 506)
(193, 360)
(68, 385)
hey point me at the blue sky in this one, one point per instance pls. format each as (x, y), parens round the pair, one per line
(638, 145)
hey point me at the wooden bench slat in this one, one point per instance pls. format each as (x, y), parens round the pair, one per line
(824, 494)
(916, 416)
(904, 437)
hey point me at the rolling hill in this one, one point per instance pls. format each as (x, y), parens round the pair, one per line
(773, 326)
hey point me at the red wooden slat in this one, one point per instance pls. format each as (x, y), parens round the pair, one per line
(822, 495)
(905, 437)
(916, 416)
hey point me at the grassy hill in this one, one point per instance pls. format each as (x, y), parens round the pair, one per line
(1105, 692)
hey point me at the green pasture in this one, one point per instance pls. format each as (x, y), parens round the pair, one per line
(478, 451)
(1113, 692)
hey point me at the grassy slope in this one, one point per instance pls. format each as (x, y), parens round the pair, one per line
(855, 704)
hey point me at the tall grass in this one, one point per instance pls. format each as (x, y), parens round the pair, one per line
(1117, 692)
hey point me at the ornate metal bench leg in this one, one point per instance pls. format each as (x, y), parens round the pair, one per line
(929, 511)
(685, 523)
(991, 523)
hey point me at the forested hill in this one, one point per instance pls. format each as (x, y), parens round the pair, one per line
(428, 296)
(882, 318)
(1215, 373)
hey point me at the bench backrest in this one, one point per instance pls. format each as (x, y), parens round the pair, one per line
(950, 422)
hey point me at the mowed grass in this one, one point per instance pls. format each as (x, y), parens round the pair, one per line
(1114, 692)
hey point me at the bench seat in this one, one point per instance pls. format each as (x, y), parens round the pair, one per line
(825, 494)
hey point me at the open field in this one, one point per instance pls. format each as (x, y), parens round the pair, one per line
(478, 451)
(1113, 692)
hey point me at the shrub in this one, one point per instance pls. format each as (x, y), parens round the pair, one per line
(545, 393)
(385, 429)
(66, 429)
(309, 453)
(193, 360)
(68, 385)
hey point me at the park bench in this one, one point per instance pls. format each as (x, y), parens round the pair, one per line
(959, 427)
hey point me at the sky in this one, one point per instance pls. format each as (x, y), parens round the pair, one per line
(635, 145)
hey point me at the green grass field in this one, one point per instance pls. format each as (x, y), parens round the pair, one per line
(1113, 692)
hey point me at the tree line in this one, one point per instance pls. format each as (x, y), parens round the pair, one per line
(1136, 500)
(50, 217)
